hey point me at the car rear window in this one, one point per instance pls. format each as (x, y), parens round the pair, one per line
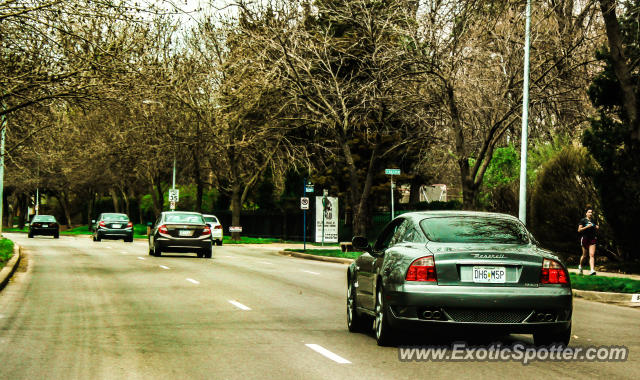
(474, 229)
(119, 217)
(211, 219)
(184, 218)
(44, 218)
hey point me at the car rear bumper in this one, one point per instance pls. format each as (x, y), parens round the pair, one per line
(43, 231)
(216, 234)
(115, 232)
(183, 245)
(505, 309)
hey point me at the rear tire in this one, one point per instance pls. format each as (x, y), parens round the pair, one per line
(382, 329)
(547, 338)
(219, 242)
(207, 253)
(157, 251)
(98, 237)
(30, 235)
(128, 239)
(56, 236)
(355, 321)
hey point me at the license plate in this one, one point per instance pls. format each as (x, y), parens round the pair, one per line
(115, 226)
(185, 233)
(491, 275)
(45, 225)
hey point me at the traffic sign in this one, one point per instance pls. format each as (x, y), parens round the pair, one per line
(392, 171)
(304, 203)
(308, 189)
(172, 206)
(174, 195)
(235, 229)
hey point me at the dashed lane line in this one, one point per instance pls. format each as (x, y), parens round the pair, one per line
(310, 272)
(239, 305)
(193, 281)
(328, 354)
(164, 267)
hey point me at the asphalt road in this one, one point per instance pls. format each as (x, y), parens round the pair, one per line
(78, 309)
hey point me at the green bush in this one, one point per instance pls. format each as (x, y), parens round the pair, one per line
(6, 251)
(561, 192)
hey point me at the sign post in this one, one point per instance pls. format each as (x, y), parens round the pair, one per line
(306, 188)
(392, 172)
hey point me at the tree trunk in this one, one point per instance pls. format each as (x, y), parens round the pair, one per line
(90, 205)
(22, 210)
(236, 207)
(114, 198)
(620, 66)
(63, 197)
(199, 183)
(127, 205)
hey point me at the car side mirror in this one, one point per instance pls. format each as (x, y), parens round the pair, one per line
(360, 243)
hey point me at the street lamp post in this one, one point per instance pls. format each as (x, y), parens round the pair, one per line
(525, 121)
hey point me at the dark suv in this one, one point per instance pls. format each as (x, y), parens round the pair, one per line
(180, 231)
(112, 226)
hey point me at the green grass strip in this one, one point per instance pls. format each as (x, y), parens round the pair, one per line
(328, 253)
(6, 251)
(604, 284)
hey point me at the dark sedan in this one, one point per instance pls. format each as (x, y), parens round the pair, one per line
(179, 231)
(44, 225)
(110, 225)
(468, 271)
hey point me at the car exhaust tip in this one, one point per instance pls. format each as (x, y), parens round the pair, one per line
(540, 316)
(427, 314)
(548, 318)
(436, 314)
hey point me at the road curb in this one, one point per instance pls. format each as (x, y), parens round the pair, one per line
(606, 297)
(7, 270)
(307, 256)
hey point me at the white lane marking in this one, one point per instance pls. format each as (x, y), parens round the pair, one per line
(193, 281)
(123, 252)
(141, 258)
(308, 271)
(109, 247)
(326, 353)
(239, 305)
(164, 267)
(231, 257)
(265, 262)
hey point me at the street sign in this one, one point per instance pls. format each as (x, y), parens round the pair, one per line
(635, 298)
(174, 195)
(392, 171)
(172, 205)
(235, 229)
(304, 203)
(308, 189)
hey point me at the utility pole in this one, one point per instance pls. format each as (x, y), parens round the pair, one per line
(3, 125)
(525, 121)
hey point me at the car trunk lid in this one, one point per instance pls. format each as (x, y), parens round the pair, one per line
(185, 231)
(483, 265)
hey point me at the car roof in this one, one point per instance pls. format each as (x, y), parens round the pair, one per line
(205, 215)
(181, 212)
(420, 215)
(39, 215)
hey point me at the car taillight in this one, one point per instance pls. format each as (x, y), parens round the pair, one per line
(218, 227)
(163, 229)
(553, 273)
(129, 224)
(206, 230)
(102, 223)
(422, 269)
(35, 224)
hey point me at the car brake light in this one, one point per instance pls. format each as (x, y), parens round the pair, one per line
(422, 269)
(102, 223)
(218, 227)
(163, 229)
(553, 273)
(206, 230)
(129, 224)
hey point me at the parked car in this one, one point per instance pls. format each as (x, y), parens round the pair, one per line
(180, 231)
(44, 225)
(111, 225)
(216, 228)
(460, 270)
